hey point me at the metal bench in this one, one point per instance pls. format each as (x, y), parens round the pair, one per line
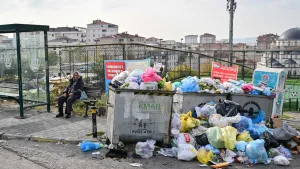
(10, 96)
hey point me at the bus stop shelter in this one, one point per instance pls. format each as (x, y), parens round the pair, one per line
(24, 70)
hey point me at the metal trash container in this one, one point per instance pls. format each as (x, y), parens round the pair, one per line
(254, 102)
(184, 102)
(138, 115)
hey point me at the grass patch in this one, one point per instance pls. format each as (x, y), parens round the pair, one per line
(284, 116)
(99, 133)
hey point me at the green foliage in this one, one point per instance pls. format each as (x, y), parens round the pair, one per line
(181, 71)
(52, 58)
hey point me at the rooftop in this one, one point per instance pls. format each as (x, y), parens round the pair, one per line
(64, 39)
(122, 35)
(191, 36)
(12, 28)
(100, 22)
(208, 34)
(64, 29)
(291, 34)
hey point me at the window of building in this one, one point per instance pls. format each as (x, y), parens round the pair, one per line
(77, 34)
(295, 73)
(103, 35)
(52, 35)
(93, 35)
(103, 30)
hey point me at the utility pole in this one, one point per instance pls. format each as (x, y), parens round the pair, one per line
(231, 7)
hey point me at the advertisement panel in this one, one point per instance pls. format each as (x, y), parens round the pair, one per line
(223, 73)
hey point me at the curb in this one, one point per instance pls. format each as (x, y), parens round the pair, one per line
(4, 136)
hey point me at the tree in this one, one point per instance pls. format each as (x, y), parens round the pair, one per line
(52, 58)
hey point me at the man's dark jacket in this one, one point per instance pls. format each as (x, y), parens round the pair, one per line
(78, 88)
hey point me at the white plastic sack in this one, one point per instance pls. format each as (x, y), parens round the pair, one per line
(220, 121)
(175, 122)
(208, 80)
(121, 77)
(217, 120)
(145, 149)
(184, 138)
(207, 110)
(281, 160)
(168, 152)
(149, 86)
(186, 152)
(198, 131)
(228, 155)
(133, 85)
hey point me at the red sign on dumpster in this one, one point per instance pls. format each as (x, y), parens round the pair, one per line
(223, 73)
(113, 68)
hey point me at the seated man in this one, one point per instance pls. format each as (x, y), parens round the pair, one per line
(70, 94)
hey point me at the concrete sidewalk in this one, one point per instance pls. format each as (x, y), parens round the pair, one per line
(42, 126)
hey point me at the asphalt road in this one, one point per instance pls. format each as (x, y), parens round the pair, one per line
(16, 154)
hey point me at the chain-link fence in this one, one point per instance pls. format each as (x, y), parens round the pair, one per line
(88, 60)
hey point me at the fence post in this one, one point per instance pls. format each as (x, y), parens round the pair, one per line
(297, 105)
(243, 68)
(124, 55)
(199, 66)
(290, 104)
(190, 64)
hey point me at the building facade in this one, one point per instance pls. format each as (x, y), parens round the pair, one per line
(287, 60)
(121, 38)
(191, 39)
(75, 33)
(265, 41)
(207, 38)
(153, 41)
(99, 29)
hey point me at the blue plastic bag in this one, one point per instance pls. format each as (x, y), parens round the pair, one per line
(255, 131)
(259, 118)
(256, 152)
(267, 91)
(244, 124)
(284, 151)
(189, 84)
(213, 149)
(83, 96)
(255, 92)
(87, 146)
(241, 146)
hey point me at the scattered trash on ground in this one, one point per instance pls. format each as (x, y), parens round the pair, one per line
(136, 165)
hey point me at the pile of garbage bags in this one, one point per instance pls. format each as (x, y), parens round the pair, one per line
(208, 135)
(149, 80)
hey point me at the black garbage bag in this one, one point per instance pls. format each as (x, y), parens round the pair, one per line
(202, 139)
(228, 108)
(270, 140)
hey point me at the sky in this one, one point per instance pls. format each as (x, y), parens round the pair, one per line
(166, 19)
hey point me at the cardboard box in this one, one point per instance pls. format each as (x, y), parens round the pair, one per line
(277, 122)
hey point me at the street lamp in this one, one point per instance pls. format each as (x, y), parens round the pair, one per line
(231, 7)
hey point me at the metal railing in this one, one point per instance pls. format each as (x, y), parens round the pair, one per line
(89, 60)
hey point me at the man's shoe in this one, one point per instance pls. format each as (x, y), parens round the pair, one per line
(59, 115)
(68, 116)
